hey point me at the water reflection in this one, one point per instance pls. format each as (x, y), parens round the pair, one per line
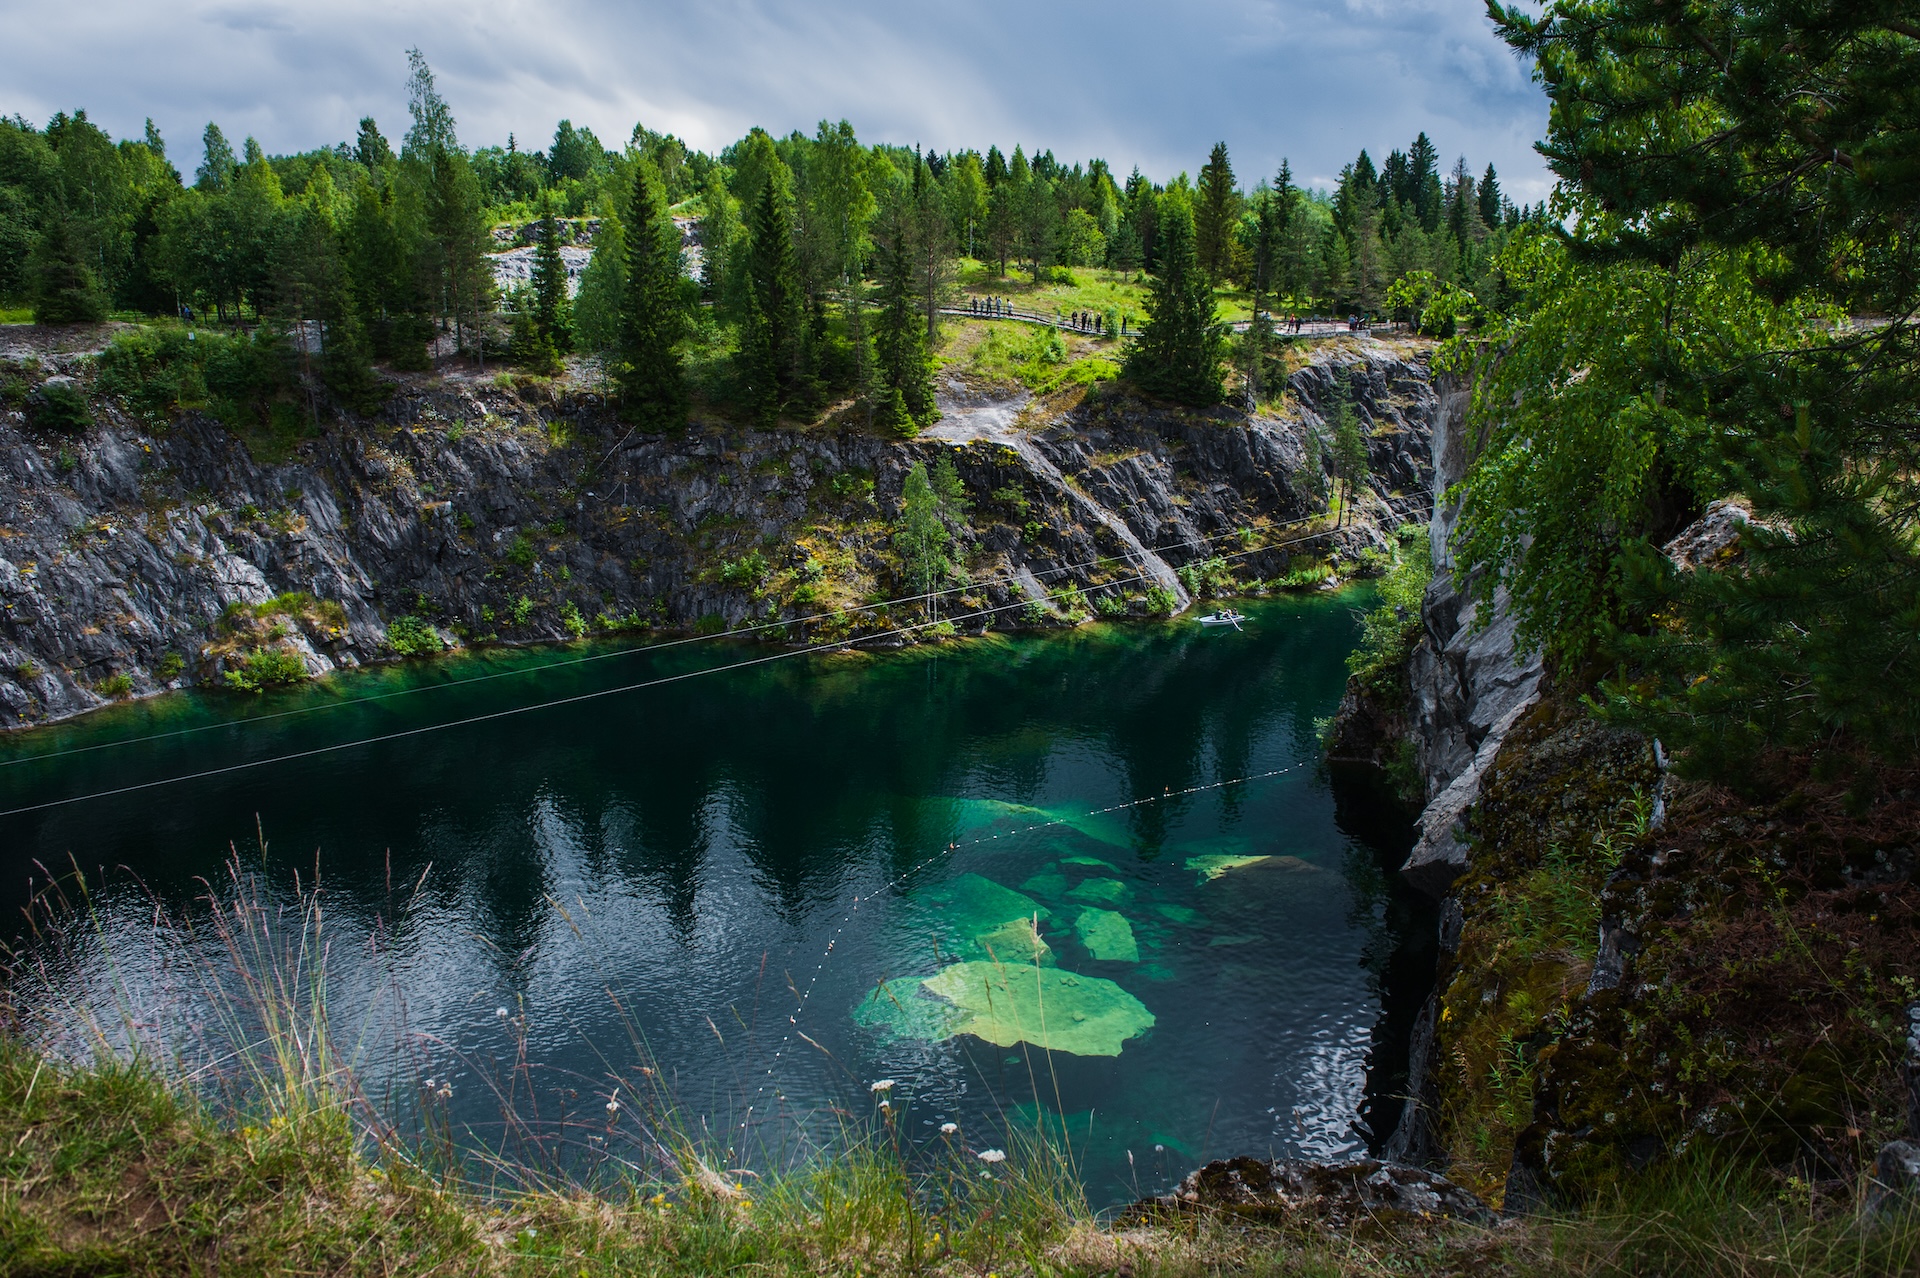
(689, 878)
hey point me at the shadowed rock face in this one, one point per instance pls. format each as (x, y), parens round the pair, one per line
(504, 515)
(1469, 685)
(1339, 1196)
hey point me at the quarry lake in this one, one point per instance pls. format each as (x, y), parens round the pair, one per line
(725, 907)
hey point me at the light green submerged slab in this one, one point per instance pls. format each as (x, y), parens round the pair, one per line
(1046, 883)
(1094, 861)
(1107, 935)
(1178, 913)
(1056, 1010)
(1101, 891)
(901, 1008)
(1212, 867)
(974, 906)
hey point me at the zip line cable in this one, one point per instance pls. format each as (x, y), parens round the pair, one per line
(575, 699)
(662, 646)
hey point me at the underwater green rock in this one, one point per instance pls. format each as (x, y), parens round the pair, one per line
(1178, 913)
(1060, 1011)
(1046, 883)
(901, 1008)
(1094, 861)
(1102, 891)
(1107, 935)
(1212, 867)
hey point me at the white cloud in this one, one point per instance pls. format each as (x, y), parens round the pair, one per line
(1137, 83)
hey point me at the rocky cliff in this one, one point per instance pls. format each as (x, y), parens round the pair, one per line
(1634, 965)
(137, 556)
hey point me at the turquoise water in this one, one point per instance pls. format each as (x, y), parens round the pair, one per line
(748, 895)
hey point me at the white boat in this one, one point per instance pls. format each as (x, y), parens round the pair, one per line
(1224, 617)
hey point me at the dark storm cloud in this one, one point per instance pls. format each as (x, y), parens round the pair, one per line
(1148, 84)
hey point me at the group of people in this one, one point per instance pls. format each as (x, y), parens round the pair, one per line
(1079, 321)
(1088, 322)
(988, 306)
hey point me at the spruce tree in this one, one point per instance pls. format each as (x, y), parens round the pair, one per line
(1737, 175)
(903, 364)
(648, 362)
(773, 268)
(65, 289)
(1216, 216)
(1178, 353)
(550, 309)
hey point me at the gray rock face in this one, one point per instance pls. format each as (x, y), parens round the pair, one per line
(1339, 1196)
(496, 515)
(1469, 685)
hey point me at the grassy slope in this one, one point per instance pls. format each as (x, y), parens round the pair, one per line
(107, 1171)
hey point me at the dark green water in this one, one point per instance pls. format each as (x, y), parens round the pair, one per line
(688, 878)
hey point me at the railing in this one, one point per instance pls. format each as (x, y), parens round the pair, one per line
(1281, 328)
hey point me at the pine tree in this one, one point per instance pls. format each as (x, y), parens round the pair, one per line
(1423, 177)
(773, 269)
(1178, 353)
(1216, 215)
(648, 362)
(65, 289)
(550, 310)
(1490, 198)
(1707, 185)
(903, 366)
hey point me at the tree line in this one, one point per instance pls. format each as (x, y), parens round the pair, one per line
(825, 261)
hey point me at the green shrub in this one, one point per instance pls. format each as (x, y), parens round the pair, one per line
(115, 685)
(1207, 579)
(1161, 602)
(522, 609)
(711, 624)
(1305, 577)
(520, 550)
(747, 571)
(412, 637)
(59, 406)
(267, 668)
(169, 667)
(570, 618)
(1389, 632)
(1109, 605)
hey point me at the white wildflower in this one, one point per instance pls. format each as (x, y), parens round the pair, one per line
(500, 1012)
(948, 1129)
(882, 1085)
(992, 1155)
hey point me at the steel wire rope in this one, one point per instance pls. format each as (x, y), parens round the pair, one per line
(571, 662)
(793, 1020)
(577, 698)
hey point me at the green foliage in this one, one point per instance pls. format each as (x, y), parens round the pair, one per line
(552, 314)
(115, 685)
(59, 406)
(1161, 602)
(411, 636)
(520, 550)
(169, 667)
(746, 572)
(648, 363)
(1207, 578)
(266, 668)
(1389, 631)
(65, 289)
(921, 536)
(1178, 353)
(1732, 225)
(521, 610)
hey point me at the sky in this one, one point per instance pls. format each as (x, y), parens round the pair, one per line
(1147, 84)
